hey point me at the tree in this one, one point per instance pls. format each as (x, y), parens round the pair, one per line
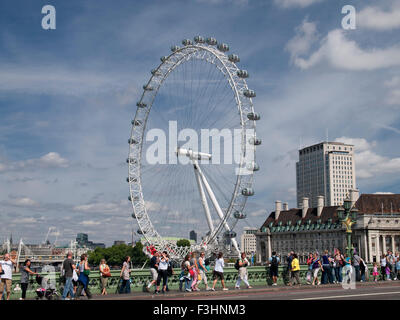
(115, 255)
(183, 243)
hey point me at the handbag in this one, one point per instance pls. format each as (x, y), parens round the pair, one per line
(86, 272)
(199, 277)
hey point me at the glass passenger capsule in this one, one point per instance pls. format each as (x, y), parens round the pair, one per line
(136, 122)
(239, 215)
(132, 141)
(141, 104)
(148, 87)
(243, 74)
(199, 39)
(223, 47)
(234, 58)
(253, 166)
(249, 93)
(131, 160)
(253, 116)
(211, 41)
(187, 42)
(174, 48)
(164, 58)
(230, 234)
(255, 141)
(248, 192)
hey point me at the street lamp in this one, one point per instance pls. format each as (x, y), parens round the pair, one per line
(348, 216)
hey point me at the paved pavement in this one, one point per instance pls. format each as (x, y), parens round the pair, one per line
(387, 290)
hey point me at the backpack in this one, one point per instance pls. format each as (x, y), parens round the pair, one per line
(274, 262)
(237, 264)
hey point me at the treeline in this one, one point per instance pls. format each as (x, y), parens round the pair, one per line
(115, 255)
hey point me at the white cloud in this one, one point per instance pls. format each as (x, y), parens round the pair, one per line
(306, 35)
(377, 19)
(24, 202)
(339, 52)
(49, 160)
(368, 163)
(383, 193)
(295, 3)
(393, 97)
(90, 223)
(97, 207)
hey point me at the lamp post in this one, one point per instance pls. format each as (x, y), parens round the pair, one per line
(348, 216)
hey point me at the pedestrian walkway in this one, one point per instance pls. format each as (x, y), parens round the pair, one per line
(256, 291)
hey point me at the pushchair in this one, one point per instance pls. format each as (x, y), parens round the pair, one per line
(45, 291)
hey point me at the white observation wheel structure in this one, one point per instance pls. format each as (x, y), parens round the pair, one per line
(197, 86)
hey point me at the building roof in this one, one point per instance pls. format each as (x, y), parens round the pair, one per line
(366, 204)
(378, 203)
(328, 214)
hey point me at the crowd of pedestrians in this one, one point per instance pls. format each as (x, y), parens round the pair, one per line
(334, 268)
(325, 268)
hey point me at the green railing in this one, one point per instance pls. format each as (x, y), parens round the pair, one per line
(257, 276)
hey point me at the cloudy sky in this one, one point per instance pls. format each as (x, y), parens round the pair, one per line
(67, 97)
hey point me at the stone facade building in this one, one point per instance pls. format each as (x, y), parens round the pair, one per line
(317, 229)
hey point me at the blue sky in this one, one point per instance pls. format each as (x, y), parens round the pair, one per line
(67, 97)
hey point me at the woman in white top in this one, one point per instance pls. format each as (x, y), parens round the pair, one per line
(242, 271)
(219, 272)
(162, 272)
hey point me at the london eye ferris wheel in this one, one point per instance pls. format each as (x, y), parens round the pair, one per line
(193, 185)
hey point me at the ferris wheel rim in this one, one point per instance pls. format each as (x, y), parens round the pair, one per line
(189, 52)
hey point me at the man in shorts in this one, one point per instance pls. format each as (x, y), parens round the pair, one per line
(153, 270)
(6, 277)
(274, 262)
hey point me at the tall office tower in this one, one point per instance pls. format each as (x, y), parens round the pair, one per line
(248, 240)
(326, 169)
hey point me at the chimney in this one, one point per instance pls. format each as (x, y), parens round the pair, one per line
(285, 206)
(305, 208)
(278, 209)
(354, 194)
(320, 205)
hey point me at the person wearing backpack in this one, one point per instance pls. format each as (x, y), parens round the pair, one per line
(274, 262)
(241, 265)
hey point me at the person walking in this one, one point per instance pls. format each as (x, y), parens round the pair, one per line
(295, 270)
(242, 271)
(126, 276)
(195, 272)
(185, 274)
(162, 272)
(104, 275)
(309, 264)
(83, 278)
(203, 269)
(356, 265)
(274, 262)
(383, 266)
(398, 267)
(68, 268)
(326, 268)
(347, 270)
(219, 272)
(6, 278)
(391, 263)
(316, 266)
(153, 270)
(339, 262)
(25, 273)
(363, 270)
(375, 272)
